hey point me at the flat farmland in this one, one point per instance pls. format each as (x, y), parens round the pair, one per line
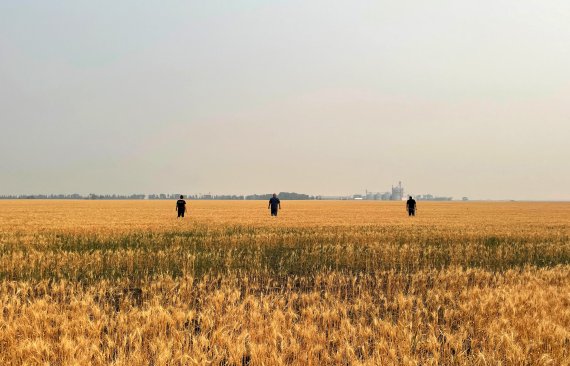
(324, 283)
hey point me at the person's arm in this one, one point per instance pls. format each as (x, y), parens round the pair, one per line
(269, 205)
(279, 204)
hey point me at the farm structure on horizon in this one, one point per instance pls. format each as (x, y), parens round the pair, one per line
(397, 193)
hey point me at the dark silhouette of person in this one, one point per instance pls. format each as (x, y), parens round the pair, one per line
(181, 206)
(274, 205)
(411, 206)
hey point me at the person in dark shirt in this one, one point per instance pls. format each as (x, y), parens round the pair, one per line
(274, 205)
(181, 206)
(411, 206)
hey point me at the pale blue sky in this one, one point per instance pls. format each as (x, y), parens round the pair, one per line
(323, 97)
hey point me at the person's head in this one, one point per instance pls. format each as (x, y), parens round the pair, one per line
(274, 195)
(410, 197)
(181, 196)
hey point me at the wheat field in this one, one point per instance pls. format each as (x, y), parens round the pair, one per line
(325, 283)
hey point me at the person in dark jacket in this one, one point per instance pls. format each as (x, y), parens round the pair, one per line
(181, 206)
(411, 206)
(274, 205)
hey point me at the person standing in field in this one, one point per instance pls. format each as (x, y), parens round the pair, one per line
(411, 206)
(274, 205)
(181, 206)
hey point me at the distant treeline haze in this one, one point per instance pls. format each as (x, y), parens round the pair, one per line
(161, 196)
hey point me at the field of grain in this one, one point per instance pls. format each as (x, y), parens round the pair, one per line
(325, 283)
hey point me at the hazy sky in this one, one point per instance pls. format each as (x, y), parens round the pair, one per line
(460, 98)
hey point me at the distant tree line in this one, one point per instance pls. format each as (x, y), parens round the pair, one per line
(159, 196)
(73, 196)
(429, 197)
(282, 195)
(93, 196)
(164, 196)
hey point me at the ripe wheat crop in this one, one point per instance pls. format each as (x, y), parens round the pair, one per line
(325, 283)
